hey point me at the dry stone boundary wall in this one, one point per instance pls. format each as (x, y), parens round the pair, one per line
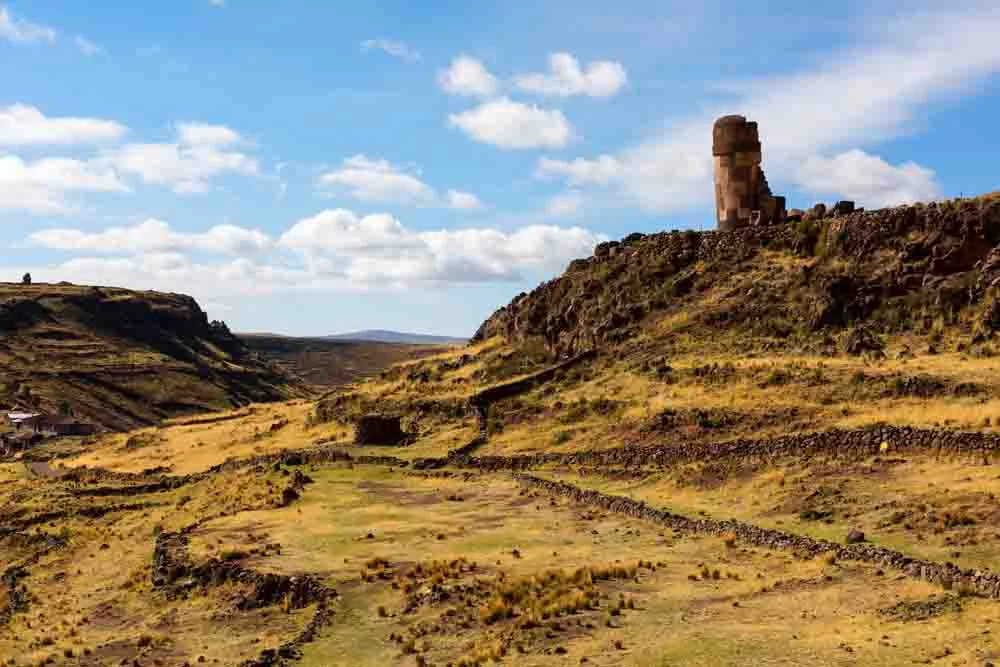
(837, 443)
(947, 575)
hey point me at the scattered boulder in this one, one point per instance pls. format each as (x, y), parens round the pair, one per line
(855, 536)
(378, 430)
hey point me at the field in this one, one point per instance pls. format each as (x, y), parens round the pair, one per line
(265, 535)
(776, 446)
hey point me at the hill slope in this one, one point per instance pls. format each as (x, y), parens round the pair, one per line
(922, 269)
(122, 358)
(327, 362)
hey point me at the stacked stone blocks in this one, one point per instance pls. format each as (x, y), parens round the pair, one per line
(742, 194)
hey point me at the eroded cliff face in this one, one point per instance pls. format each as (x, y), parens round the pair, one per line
(899, 269)
(122, 358)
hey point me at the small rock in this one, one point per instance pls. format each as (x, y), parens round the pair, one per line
(855, 536)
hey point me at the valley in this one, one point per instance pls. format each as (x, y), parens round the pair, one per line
(756, 467)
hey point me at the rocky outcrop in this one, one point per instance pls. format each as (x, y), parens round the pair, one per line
(943, 256)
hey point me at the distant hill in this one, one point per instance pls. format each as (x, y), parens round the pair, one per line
(333, 362)
(383, 336)
(122, 358)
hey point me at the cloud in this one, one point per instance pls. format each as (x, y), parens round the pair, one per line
(175, 272)
(858, 176)
(468, 77)
(336, 249)
(853, 99)
(513, 125)
(200, 153)
(154, 236)
(86, 47)
(463, 201)
(43, 186)
(205, 134)
(378, 181)
(379, 250)
(565, 78)
(393, 48)
(23, 32)
(565, 205)
(600, 171)
(217, 3)
(23, 125)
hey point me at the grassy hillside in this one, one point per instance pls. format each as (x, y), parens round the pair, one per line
(728, 481)
(328, 362)
(122, 358)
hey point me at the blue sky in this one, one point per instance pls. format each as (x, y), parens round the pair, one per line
(322, 167)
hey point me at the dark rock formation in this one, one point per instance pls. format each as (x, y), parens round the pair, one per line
(867, 266)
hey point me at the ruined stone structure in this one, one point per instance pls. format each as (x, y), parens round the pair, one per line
(742, 195)
(378, 430)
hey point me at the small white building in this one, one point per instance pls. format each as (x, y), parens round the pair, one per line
(17, 418)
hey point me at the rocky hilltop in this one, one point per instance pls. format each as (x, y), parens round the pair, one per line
(123, 358)
(930, 270)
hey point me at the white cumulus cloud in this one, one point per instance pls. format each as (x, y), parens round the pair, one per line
(44, 186)
(188, 165)
(514, 125)
(566, 78)
(380, 250)
(155, 236)
(23, 125)
(463, 201)
(376, 180)
(861, 177)
(565, 205)
(468, 76)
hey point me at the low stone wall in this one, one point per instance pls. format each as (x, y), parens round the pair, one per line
(517, 387)
(173, 572)
(837, 443)
(947, 575)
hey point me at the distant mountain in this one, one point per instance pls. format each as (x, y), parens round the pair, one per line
(382, 336)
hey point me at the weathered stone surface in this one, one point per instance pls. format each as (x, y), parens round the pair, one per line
(742, 194)
(378, 430)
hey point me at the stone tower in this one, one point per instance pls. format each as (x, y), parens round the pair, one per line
(742, 195)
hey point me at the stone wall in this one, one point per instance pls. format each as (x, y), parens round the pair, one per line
(852, 444)
(947, 575)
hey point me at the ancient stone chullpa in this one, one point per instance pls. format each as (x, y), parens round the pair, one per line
(742, 194)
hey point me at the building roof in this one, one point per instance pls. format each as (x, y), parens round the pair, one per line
(21, 416)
